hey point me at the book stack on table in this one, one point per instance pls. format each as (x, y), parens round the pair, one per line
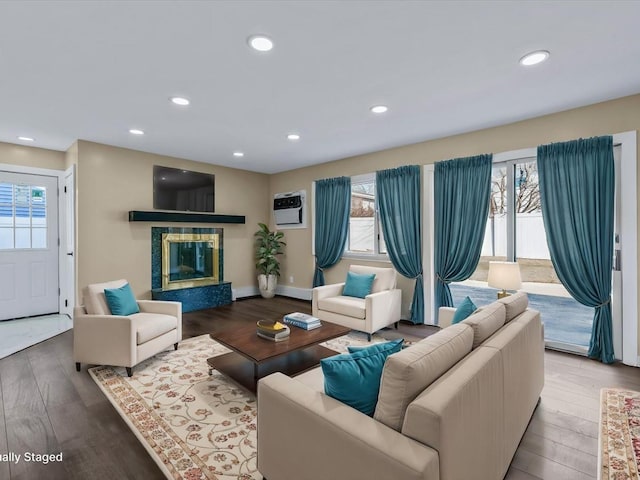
(274, 331)
(302, 320)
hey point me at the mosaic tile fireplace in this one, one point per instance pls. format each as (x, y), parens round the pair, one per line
(187, 265)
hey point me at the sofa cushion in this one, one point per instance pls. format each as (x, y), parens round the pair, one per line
(410, 371)
(466, 308)
(486, 322)
(348, 306)
(121, 301)
(354, 378)
(358, 284)
(385, 277)
(514, 305)
(151, 325)
(95, 303)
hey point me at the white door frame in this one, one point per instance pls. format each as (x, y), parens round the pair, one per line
(67, 245)
(63, 274)
(629, 245)
(628, 238)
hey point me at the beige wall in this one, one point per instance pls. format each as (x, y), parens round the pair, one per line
(111, 181)
(615, 116)
(31, 156)
(71, 156)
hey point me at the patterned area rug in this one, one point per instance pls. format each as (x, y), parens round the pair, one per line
(619, 452)
(194, 426)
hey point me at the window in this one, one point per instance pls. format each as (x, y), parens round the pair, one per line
(23, 216)
(515, 231)
(365, 233)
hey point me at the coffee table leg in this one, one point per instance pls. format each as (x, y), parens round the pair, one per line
(255, 373)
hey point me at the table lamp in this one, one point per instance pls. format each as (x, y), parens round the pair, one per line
(504, 275)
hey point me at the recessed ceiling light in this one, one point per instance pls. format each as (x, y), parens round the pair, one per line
(135, 131)
(261, 43)
(379, 109)
(293, 136)
(180, 101)
(238, 154)
(534, 58)
(26, 139)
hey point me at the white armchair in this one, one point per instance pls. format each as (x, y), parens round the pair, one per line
(377, 310)
(100, 338)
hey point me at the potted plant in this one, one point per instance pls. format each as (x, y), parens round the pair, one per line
(268, 246)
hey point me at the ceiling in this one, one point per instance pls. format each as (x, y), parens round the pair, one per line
(92, 70)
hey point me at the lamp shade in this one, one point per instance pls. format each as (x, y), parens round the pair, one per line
(504, 275)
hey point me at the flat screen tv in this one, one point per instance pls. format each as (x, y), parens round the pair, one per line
(183, 190)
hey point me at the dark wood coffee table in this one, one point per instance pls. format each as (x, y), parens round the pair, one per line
(253, 357)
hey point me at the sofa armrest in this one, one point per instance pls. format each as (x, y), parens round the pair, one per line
(302, 432)
(445, 316)
(104, 340)
(382, 309)
(167, 308)
(325, 291)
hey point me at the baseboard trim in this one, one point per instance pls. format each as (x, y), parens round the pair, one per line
(242, 292)
(294, 292)
(282, 290)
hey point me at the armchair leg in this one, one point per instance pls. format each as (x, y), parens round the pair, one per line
(129, 371)
(77, 366)
(396, 325)
(175, 346)
(369, 336)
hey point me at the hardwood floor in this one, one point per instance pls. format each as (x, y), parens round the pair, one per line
(47, 407)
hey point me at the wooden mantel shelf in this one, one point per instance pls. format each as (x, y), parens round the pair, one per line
(142, 216)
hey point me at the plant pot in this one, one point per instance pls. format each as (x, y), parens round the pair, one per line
(267, 285)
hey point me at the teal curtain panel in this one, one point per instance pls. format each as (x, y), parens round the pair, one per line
(577, 193)
(398, 197)
(333, 202)
(462, 189)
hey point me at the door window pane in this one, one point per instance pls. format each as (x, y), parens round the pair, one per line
(22, 217)
(23, 238)
(23, 208)
(6, 216)
(494, 246)
(6, 238)
(22, 194)
(38, 216)
(39, 238)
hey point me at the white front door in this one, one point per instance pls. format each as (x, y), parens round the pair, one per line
(28, 245)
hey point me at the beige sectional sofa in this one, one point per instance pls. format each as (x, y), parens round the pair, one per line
(453, 406)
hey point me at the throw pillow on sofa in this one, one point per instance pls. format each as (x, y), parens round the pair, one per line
(358, 284)
(380, 347)
(466, 308)
(121, 300)
(354, 378)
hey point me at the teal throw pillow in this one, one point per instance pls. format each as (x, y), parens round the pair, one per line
(380, 347)
(354, 378)
(358, 284)
(466, 308)
(121, 300)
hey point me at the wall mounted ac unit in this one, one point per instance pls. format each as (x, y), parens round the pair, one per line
(290, 210)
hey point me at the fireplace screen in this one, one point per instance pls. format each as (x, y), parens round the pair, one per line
(189, 260)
